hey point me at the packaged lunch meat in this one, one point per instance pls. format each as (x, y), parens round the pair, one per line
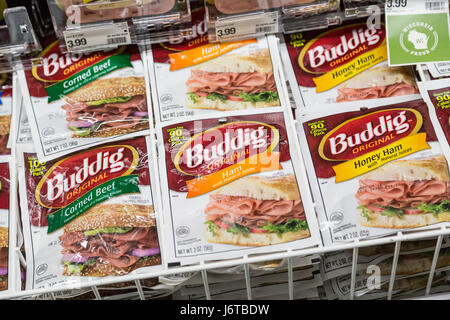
(234, 185)
(346, 63)
(437, 96)
(89, 214)
(208, 79)
(76, 100)
(7, 255)
(375, 169)
(82, 11)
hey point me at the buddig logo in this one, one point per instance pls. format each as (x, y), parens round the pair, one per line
(419, 39)
(71, 178)
(57, 66)
(338, 47)
(369, 132)
(222, 146)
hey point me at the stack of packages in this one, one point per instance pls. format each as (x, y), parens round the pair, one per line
(135, 158)
(376, 154)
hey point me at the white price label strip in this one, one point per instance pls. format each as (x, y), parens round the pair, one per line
(415, 6)
(247, 26)
(99, 36)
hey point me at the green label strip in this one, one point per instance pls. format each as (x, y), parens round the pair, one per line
(105, 191)
(80, 79)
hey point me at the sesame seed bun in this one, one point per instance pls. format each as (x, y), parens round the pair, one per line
(4, 237)
(104, 131)
(113, 215)
(106, 269)
(102, 89)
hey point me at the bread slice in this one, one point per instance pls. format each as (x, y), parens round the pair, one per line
(4, 237)
(113, 215)
(256, 61)
(411, 170)
(106, 131)
(414, 265)
(205, 103)
(106, 269)
(376, 220)
(263, 188)
(253, 239)
(102, 89)
(5, 124)
(380, 77)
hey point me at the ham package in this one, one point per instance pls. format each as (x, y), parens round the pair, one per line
(195, 78)
(90, 214)
(437, 96)
(234, 185)
(375, 169)
(74, 101)
(347, 63)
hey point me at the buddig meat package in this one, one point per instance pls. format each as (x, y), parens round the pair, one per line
(195, 78)
(234, 185)
(8, 265)
(375, 170)
(347, 63)
(90, 214)
(74, 101)
(437, 95)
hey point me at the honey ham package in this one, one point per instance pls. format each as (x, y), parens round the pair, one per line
(89, 214)
(74, 100)
(437, 96)
(347, 63)
(234, 185)
(375, 168)
(196, 78)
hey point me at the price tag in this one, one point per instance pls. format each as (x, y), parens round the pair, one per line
(248, 26)
(97, 37)
(415, 6)
(440, 69)
(417, 31)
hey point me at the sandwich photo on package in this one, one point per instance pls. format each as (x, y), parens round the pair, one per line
(209, 79)
(437, 96)
(232, 186)
(345, 63)
(375, 170)
(75, 100)
(90, 214)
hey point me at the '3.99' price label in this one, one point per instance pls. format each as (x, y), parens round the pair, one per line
(248, 26)
(97, 37)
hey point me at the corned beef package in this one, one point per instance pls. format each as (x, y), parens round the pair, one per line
(375, 168)
(436, 94)
(345, 63)
(75, 100)
(90, 214)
